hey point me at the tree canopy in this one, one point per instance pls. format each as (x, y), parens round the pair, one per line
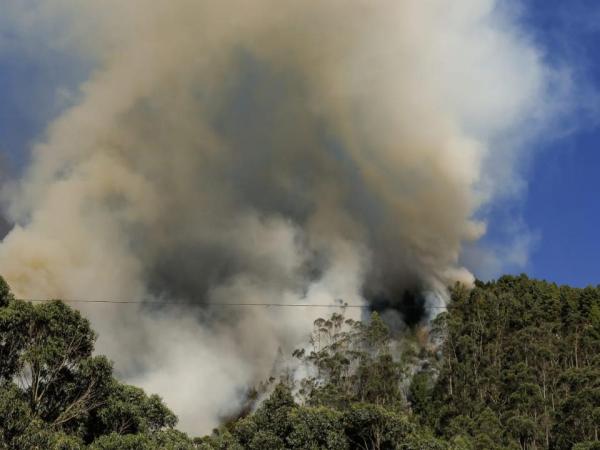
(55, 394)
(511, 364)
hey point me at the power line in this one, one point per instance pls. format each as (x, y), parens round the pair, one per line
(237, 304)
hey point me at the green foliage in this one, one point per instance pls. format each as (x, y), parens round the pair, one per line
(353, 398)
(352, 362)
(513, 364)
(164, 440)
(128, 410)
(420, 392)
(55, 395)
(589, 445)
(5, 294)
(372, 426)
(115, 441)
(316, 429)
(517, 366)
(578, 414)
(221, 440)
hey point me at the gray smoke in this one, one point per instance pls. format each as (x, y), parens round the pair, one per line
(264, 151)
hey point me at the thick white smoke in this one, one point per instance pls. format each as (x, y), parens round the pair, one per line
(264, 151)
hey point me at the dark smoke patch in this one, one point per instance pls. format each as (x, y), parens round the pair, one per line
(5, 225)
(281, 157)
(400, 306)
(190, 272)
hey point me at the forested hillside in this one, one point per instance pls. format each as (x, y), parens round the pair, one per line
(512, 364)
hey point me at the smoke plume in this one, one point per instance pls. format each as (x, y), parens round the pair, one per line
(265, 151)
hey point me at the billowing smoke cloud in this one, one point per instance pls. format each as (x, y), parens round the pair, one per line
(264, 151)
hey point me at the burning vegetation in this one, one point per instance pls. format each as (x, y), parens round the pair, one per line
(513, 365)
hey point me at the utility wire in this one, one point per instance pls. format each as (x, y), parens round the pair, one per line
(158, 302)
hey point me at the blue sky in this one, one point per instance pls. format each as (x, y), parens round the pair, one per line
(560, 207)
(37, 81)
(562, 202)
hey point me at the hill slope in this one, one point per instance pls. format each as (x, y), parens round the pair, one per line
(512, 364)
